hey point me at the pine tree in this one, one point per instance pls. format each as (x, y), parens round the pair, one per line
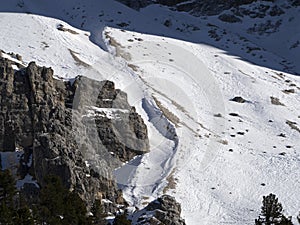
(51, 201)
(98, 215)
(272, 213)
(23, 216)
(59, 206)
(7, 193)
(286, 221)
(7, 186)
(271, 209)
(122, 220)
(13, 209)
(74, 210)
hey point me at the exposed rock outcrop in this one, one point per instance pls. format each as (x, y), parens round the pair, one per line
(196, 7)
(238, 8)
(165, 210)
(238, 99)
(79, 130)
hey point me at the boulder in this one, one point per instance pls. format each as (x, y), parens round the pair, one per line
(164, 210)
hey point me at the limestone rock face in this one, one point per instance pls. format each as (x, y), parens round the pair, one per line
(164, 210)
(79, 130)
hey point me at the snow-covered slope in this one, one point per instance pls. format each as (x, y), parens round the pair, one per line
(218, 157)
(228, 154)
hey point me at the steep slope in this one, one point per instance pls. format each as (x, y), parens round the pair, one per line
(247, 29)
(55, 124)
(215, 153)
(230, 151)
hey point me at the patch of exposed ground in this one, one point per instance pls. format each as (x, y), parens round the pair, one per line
(118, 47)
(171, 182)
(133, 67)
(169, 115)
(276, 101)
(289, 91)
(61, 27)
(293, 125)
(280, 75)
(78, 61)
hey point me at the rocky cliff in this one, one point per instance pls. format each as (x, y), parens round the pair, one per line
(68, 129)
(78, 130)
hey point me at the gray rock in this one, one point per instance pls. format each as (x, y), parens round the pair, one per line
(238, 99)
(229, 18)
(61, 125)
(165, 210)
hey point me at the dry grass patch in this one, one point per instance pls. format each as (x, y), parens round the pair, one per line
(78, 61)
(169, 115)
(61, 27)
(119, 48)
(292, 125)
(289, 91)
(276, 101)
(171, 182)
(280, 75)
(223, 142)
(133, 67)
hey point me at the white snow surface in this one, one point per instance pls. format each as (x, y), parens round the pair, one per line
(28, 179)
(179, 81)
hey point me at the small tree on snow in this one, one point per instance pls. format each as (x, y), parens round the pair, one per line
(271, 212)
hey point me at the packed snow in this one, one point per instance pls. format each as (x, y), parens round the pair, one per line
(218, 157)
